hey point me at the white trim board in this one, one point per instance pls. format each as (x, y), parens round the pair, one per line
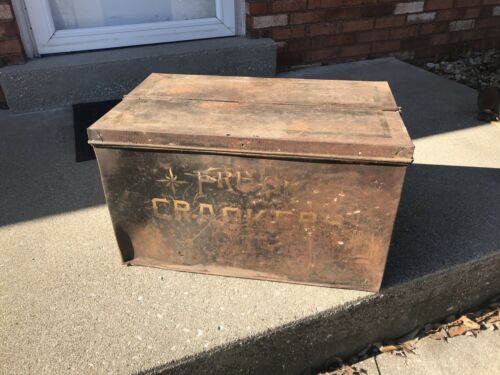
(23, 22)
(49, 40)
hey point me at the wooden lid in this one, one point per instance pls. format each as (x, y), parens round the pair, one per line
(292, 118)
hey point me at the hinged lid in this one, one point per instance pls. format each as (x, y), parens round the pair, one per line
(292, 118)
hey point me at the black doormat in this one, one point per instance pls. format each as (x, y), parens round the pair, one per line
(84, 115)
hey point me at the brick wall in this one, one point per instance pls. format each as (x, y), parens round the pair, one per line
(329, 31)
(11, 49)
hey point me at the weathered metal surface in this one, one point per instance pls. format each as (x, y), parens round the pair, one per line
(255, 116)
(257, 186)
(315, 223)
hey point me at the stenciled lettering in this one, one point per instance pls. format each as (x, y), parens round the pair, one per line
(183, 211)
(232, 181)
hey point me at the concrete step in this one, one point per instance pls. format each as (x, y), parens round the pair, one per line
(55, 81)
(69, 305)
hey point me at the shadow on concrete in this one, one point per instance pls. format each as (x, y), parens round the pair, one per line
(39, 175)
(447, 217)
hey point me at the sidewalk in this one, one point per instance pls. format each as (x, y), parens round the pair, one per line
(462, 355)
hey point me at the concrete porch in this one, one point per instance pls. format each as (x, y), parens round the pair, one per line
(69, 306)
(59, 80)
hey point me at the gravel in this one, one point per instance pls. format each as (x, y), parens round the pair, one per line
(474, 68)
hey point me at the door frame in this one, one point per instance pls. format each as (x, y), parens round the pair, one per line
(45, 39)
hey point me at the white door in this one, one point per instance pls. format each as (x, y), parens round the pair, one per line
(77, 25)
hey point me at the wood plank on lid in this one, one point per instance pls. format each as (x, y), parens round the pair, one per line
(355, 94)
(245, 116)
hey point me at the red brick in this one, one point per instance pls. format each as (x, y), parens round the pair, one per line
(299, 45)
(342, 39)
(10, 46)
(14, 59)
(437, 27)
(467, 3)
(307, 17)
(365, 2)
(324, 29)
(373, 35)
(356, 50)
(472, 13)
(481, 44)
(288, 5)
(387, 46)
(487, 22)
(448, 15)
(455, 38)
(439, 39)
(394, 21)
(357, 25)
(438, 4)
(322, 55)
(472, 35)
(253, 33)
(7, 29)
(493, 33)
(281, 47)
(404, 32)
(378, 10)
(329, 31)
(313, 4)
(342, 13)
(415, 43)
(478, 44)
(288, 32)
(265, 33)
(488, 12)
(290, 58)
(320, 41)
(256, 9)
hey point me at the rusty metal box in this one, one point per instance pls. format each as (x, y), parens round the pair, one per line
(278, 179)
